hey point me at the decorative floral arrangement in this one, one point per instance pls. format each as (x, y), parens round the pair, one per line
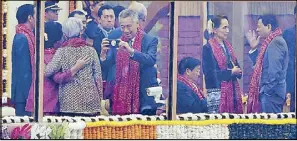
(59, 131)
(21, 132)
(40, 131)
(4, 133)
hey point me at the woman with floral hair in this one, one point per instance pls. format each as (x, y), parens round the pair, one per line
(221, 69)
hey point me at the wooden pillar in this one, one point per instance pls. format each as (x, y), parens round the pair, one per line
(173, 60)
(39, 57)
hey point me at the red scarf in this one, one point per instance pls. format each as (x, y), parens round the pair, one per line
(74, 42)
(126, 89)
(23, 29)
(253, 96)
(227, 95)
(191, 85)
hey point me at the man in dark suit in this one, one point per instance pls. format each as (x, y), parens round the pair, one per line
(271, 66)
(23, 58)
(142, 51)
(290, 37)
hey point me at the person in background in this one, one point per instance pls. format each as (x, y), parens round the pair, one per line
(80, 15)
(82, 95)
(290, 37)
(51, 11)
(221, 69)
(142, 14)
(53, 34)
(23, 58)
(267, 91)
(190, 97)
(117, 10)
(134, 67)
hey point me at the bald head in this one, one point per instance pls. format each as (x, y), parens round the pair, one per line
(140, 9)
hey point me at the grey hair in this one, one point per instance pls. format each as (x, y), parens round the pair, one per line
(140, 9)
(129, 13)
(72, 27)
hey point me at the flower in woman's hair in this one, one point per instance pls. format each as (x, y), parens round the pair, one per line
(45, 37)
(210, 26)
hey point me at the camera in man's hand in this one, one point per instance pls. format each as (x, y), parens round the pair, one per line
(114, 43)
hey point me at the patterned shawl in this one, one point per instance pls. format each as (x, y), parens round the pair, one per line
(253, 96)
(227, 94)
(191, 85)
(23, 29)
(126, 89)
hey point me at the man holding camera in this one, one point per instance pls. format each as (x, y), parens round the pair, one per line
(134, 58)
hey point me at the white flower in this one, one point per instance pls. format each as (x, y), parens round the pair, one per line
(210, 26)
(45, 37)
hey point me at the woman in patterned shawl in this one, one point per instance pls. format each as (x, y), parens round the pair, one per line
(82, 95)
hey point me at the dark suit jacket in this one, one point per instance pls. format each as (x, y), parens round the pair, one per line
(188, 101)
(290, 37)
(21, 69)
(275, 64)
(147, 60)
(95, 33)
(213, 74)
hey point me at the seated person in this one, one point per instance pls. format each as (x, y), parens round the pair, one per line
(190, 97)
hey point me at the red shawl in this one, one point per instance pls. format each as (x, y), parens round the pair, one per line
(23, 29)
(227, 93)
(191, 85)
(126, 89)
(253, 96)
(74, 42)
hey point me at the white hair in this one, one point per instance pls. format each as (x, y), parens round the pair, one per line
(129, 13)
(72, 27)
(140, 9)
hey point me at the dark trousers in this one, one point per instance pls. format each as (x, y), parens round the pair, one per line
(271, 103)
(20, 109)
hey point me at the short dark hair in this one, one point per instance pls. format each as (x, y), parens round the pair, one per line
(117, 10)
(76, 12)
(23, 12)
(54, 33)
(188, 63)
(87, 4)
(269, 19)
(104, 7)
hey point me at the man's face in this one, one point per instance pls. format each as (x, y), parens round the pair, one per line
(82, 18)
(262, 30)
(51, 15)
(128, 27)
(107, 19)
(223, 30)
(194, 74)
(32, 19)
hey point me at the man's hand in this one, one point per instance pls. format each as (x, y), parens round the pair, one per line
(236, 70)
(125, 46)
(104, 48)
(253, 39)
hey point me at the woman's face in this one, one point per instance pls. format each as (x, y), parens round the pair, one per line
(193, 74)
(222, 31)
